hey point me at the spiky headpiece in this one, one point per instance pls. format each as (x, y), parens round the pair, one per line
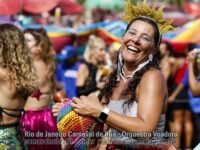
(143, 10)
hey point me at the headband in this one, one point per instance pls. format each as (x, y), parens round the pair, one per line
(143, 10)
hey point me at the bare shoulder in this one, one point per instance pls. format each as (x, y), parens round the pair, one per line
(83, 68)
(153, 74)
(153, 84)
(153, 77)
(172, 60)
(83, 73)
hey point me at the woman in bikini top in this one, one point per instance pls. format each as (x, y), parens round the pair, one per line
(17, 81)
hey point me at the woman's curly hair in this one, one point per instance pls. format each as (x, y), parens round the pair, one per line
(47, 54)
(14, 58)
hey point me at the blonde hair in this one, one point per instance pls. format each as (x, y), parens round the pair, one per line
(114, 47)
(14, 58)
(93, 41)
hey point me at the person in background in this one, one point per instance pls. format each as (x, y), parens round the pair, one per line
(38, 116)
(193, 85)
(193, 82)
(167, 59)
(17, 82)
(179, 101)
(94, 58)
(113, 52)
(171, 63)
(66, 70)
(167, 65)
(194, 104)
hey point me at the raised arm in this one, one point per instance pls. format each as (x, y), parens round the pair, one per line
(194, 84)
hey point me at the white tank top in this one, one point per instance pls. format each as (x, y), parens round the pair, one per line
(131, 139)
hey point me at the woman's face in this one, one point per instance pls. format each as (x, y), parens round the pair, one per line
(163, 49)
(99, 52)
(31, 43)
(138, 42)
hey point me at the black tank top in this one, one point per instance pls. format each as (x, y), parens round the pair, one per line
(91, 80)
(90, 83)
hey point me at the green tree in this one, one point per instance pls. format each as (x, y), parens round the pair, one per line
(80, 1)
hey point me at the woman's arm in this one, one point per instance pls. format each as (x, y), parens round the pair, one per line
(194, 84)
(151, 95)
(82, 76)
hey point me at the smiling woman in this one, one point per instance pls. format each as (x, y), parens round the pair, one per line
(138, 42)
(134, 102)
(130, 101)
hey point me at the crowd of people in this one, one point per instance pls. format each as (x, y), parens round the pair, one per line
(141, 91)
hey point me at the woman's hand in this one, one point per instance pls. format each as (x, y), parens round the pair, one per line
(56, 108)
(171, 99)
(100, 85)
(87, 105)
(192, 55)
